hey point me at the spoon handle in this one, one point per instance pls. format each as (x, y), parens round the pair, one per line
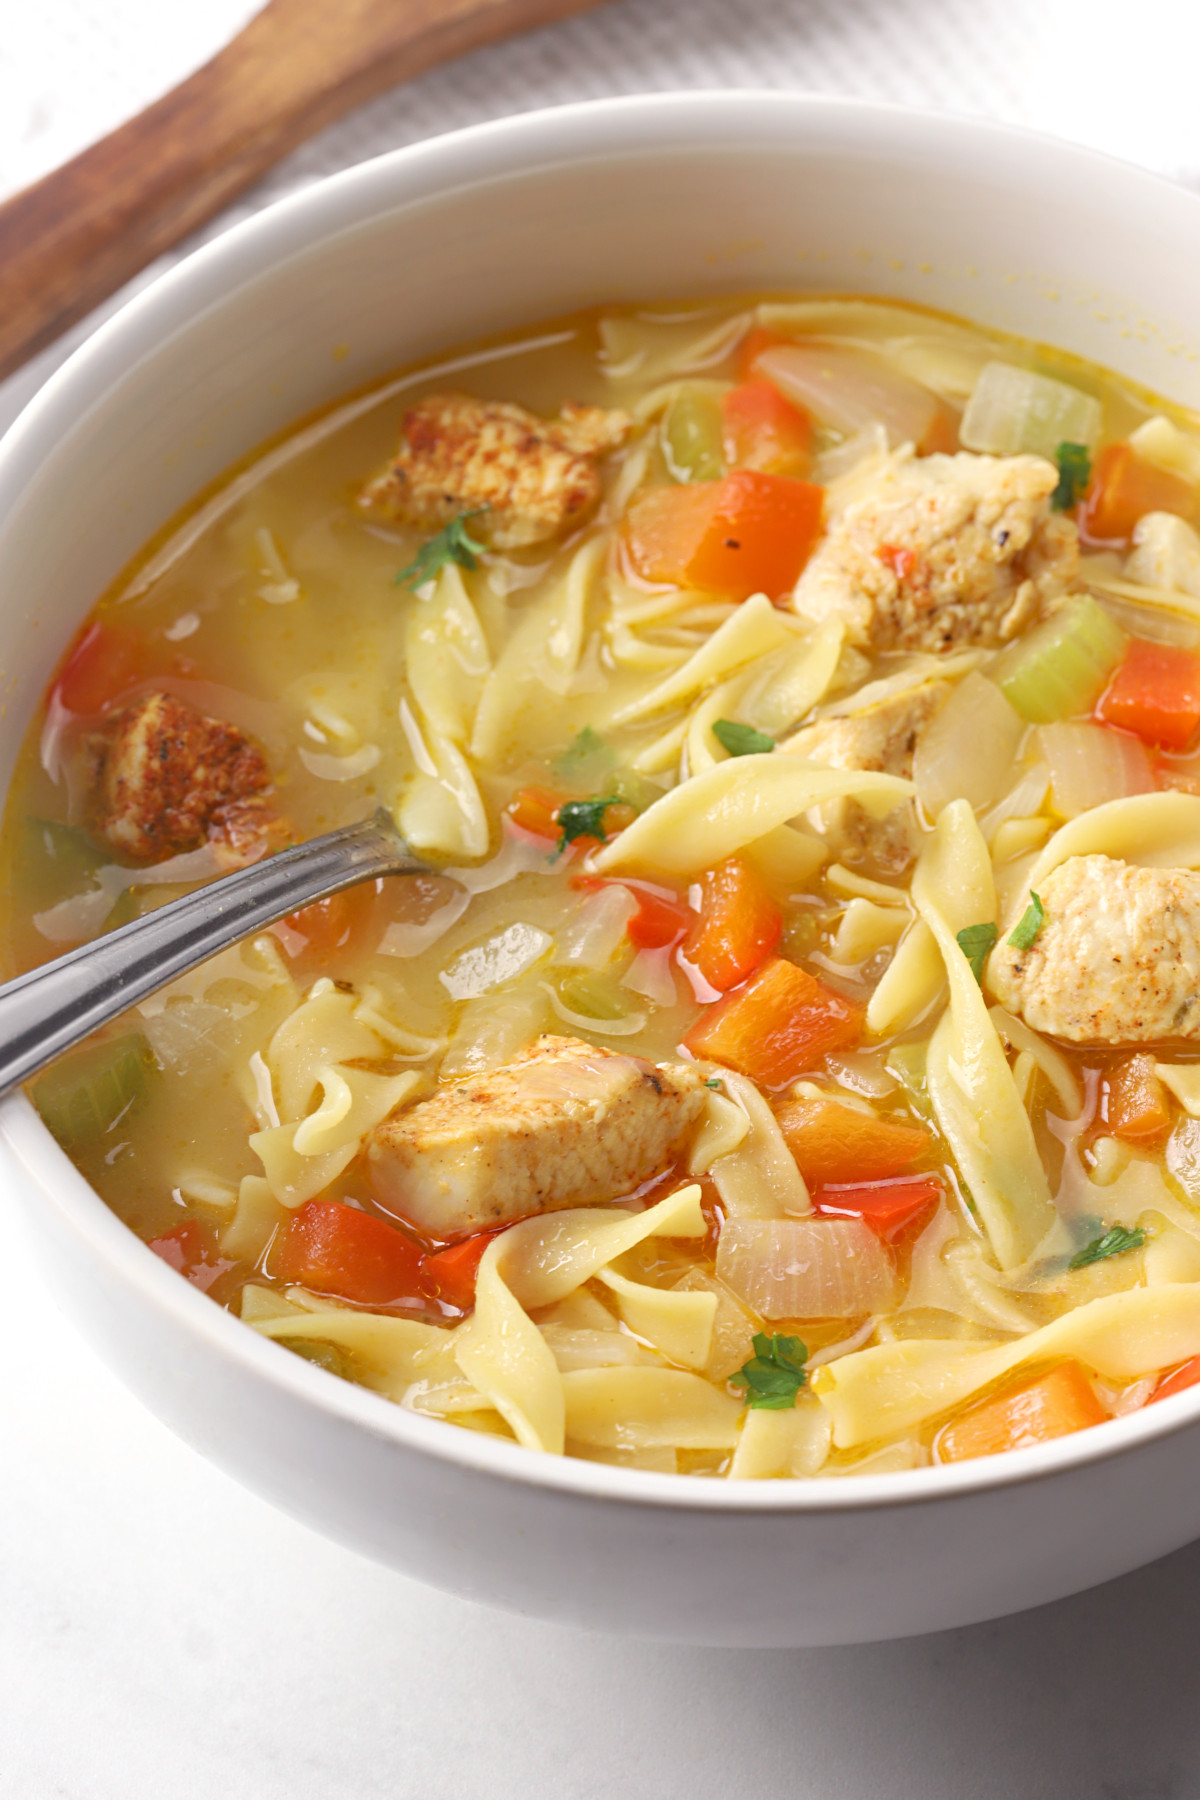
(55, 1006)
(84, 230)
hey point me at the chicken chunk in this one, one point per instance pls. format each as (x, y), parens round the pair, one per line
(527, 478)
(1117, 960)
(564, 1124)
(882, 738)
(165, 779)
(943, 551)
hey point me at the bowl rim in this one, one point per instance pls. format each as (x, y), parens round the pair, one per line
(570, 135)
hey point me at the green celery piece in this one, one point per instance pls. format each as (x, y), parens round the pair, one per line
(1012, 410)
(691, 437)
(906, 1064)
(83, 1096)
(633, 789)
(595, 996)
(1060, 668)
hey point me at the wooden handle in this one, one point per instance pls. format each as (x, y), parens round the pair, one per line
(77, 235)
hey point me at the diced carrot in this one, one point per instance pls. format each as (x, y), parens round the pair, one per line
(747, 534)
(336, 1249)
(1136, 1108)
(535, 809)
(756, 340)
(834, 1142)
(777, 1025)
(1185, 1376)
(890, 1208)
(1031, 1411)
(739, 925)
(450, 1274)
(762, 430)
(102, 664)
(1155, 692)
(330, 925)
(192, 1250)
(1123, 488)
(662, 918)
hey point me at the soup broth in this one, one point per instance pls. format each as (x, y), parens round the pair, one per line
(791, 1065)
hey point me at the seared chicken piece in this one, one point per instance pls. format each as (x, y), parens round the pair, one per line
(882, 738)
(565, 1124)
(165, 779)
(943, 551)
(1117, 960)
(527, 478)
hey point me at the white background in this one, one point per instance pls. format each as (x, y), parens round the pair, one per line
(165, 1636)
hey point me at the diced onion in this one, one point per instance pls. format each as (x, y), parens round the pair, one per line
(967, 750)
(1089, 766)
(404, 937)
(650, 974)
(806, 1268)
(598, 929)
(1013, 410)
(519, 854)
(850, 389)
(628, 1026)
(497, 961)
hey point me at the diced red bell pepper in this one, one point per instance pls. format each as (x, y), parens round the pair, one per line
(192, 1250)
(749, 533)
(777, 1026)
(103, 663)
(890, 1208)
(762, 430)
(739, 925)
(337, 1249)
(1185, 1376)
(450, 1274)
(661, 919)
(1155, 692)
(1123, 488)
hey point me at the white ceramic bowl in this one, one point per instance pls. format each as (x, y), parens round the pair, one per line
(486, 231)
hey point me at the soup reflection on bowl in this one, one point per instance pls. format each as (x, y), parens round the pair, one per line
(788, 1083)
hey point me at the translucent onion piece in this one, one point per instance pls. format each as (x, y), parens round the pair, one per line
(496, 962)
(967, 749)
(806, 1268)
(360, 762)
(1159, 441)
(650, 974)
(598, 929)
(1013, 410)
(83, 914)
(1165, 554)
(849, 389)
(518, 855)
(1090, 766)
(629, 1026)
(403, 938)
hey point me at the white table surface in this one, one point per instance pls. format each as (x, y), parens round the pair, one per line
(166, 1636)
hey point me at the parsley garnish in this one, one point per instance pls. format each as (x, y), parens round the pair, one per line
(775, 1373)
(741, 740)
(582, 818)
(975, 941)
(1115, 1242)
(1074, 473)
(1025, 932)
(714, 1081)
(452, 544)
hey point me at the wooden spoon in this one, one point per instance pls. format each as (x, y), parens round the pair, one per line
(81, 232)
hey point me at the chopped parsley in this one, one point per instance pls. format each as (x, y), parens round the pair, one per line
(1074, 473)
(582, 818)
(714, 1081)
(975, 941)
(741, 740)
(1115, 1242)
(1025, 932)
(775, 1373)
(452, 544)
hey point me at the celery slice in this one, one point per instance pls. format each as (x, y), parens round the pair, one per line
(1013, 410)
(83, 1096)
(1060, 668)
(691, 437)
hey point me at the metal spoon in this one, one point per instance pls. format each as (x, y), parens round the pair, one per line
(55, 1006)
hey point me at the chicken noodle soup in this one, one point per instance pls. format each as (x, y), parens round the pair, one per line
(794, 1065)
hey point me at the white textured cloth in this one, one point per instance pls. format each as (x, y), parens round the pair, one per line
(164, 1635)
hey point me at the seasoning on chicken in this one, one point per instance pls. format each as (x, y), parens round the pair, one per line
(882, 738)
(1116, 959)
(943, 551)
(166, 779)
(527, 478)
(564, 1124)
